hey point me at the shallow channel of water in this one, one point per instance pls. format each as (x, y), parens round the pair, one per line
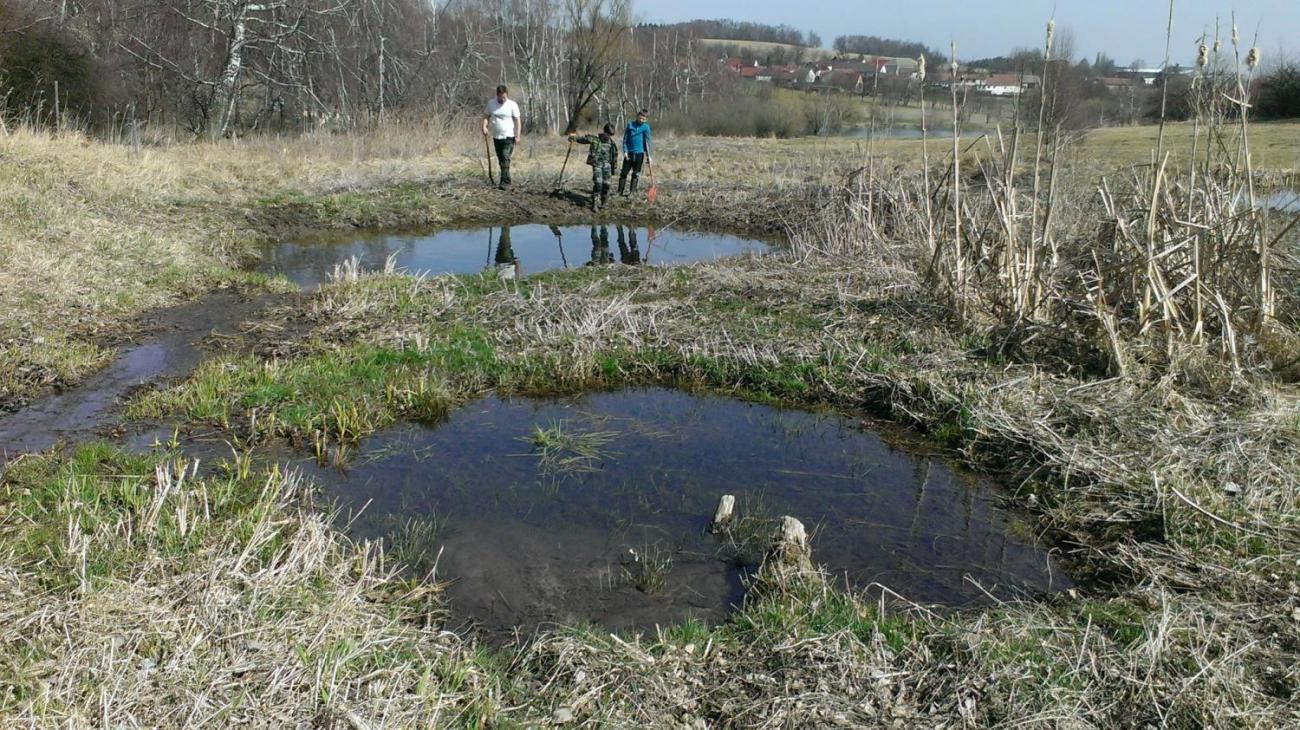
(1285, 201)
(531, 248)
(528, 540)
(91, 408)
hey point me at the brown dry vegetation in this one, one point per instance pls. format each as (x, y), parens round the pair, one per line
(1163, 465)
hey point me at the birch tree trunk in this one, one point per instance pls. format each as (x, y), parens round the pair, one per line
(223, 100)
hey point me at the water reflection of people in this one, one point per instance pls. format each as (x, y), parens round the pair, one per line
(629, 251)
(506, 261)
(600, 254)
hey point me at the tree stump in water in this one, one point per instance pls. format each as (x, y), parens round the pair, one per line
(789, 558)
(721, 516)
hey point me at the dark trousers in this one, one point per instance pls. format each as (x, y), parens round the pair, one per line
(600, 174)
(505, 148)
(632, 163)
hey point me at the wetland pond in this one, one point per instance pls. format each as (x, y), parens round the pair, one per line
(597, 508)
(526, 249)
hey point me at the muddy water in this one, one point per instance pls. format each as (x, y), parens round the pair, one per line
(527, 542)
(530, 248)
(179, 338)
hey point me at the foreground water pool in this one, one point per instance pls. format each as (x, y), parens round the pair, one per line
(597, 508)
(532, 248)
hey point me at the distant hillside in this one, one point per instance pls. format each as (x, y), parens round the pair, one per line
(741, 30)
(762, 48)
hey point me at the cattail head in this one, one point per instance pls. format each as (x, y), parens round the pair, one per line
(1051, 32)
(1252, 58)
(920, 67)
(954, 60)
(1218, 46)
(1202, 56)
(1236, 37)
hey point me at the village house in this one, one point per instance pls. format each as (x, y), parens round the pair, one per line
(966, 79)
(900, 67)
(1116, 84)
(1009, 84)
(1142, 76)
(841, 81)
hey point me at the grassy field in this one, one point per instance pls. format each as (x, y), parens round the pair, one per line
(138, 591)
(1273, 148)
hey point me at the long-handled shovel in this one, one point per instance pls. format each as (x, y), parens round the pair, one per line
(653, 191)
(559, 181)
(487, 147)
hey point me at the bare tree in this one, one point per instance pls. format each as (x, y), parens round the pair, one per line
(221, 67)
(534, 53)
(600, 32)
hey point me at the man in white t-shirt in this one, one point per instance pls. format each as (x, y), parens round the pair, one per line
(501, 119)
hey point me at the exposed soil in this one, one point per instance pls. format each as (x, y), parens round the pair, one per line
(455, 202)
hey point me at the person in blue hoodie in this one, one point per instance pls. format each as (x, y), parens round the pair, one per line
(636, 150)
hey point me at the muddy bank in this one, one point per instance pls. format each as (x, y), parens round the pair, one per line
(737, 206)
(164, 344)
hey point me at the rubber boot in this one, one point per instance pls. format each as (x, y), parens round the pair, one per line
(604, 195)
(622, 181)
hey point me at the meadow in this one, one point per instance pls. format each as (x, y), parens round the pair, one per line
(1107, 323)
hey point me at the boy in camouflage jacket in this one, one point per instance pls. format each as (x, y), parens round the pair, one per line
(603, 158)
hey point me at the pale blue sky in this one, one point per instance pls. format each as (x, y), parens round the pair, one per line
(1124, 29)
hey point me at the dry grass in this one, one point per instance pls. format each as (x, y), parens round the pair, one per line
(224, 604)
(92, 234)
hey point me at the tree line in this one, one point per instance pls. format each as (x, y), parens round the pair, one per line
(219, 67)
(876, 46)
(736, 30)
